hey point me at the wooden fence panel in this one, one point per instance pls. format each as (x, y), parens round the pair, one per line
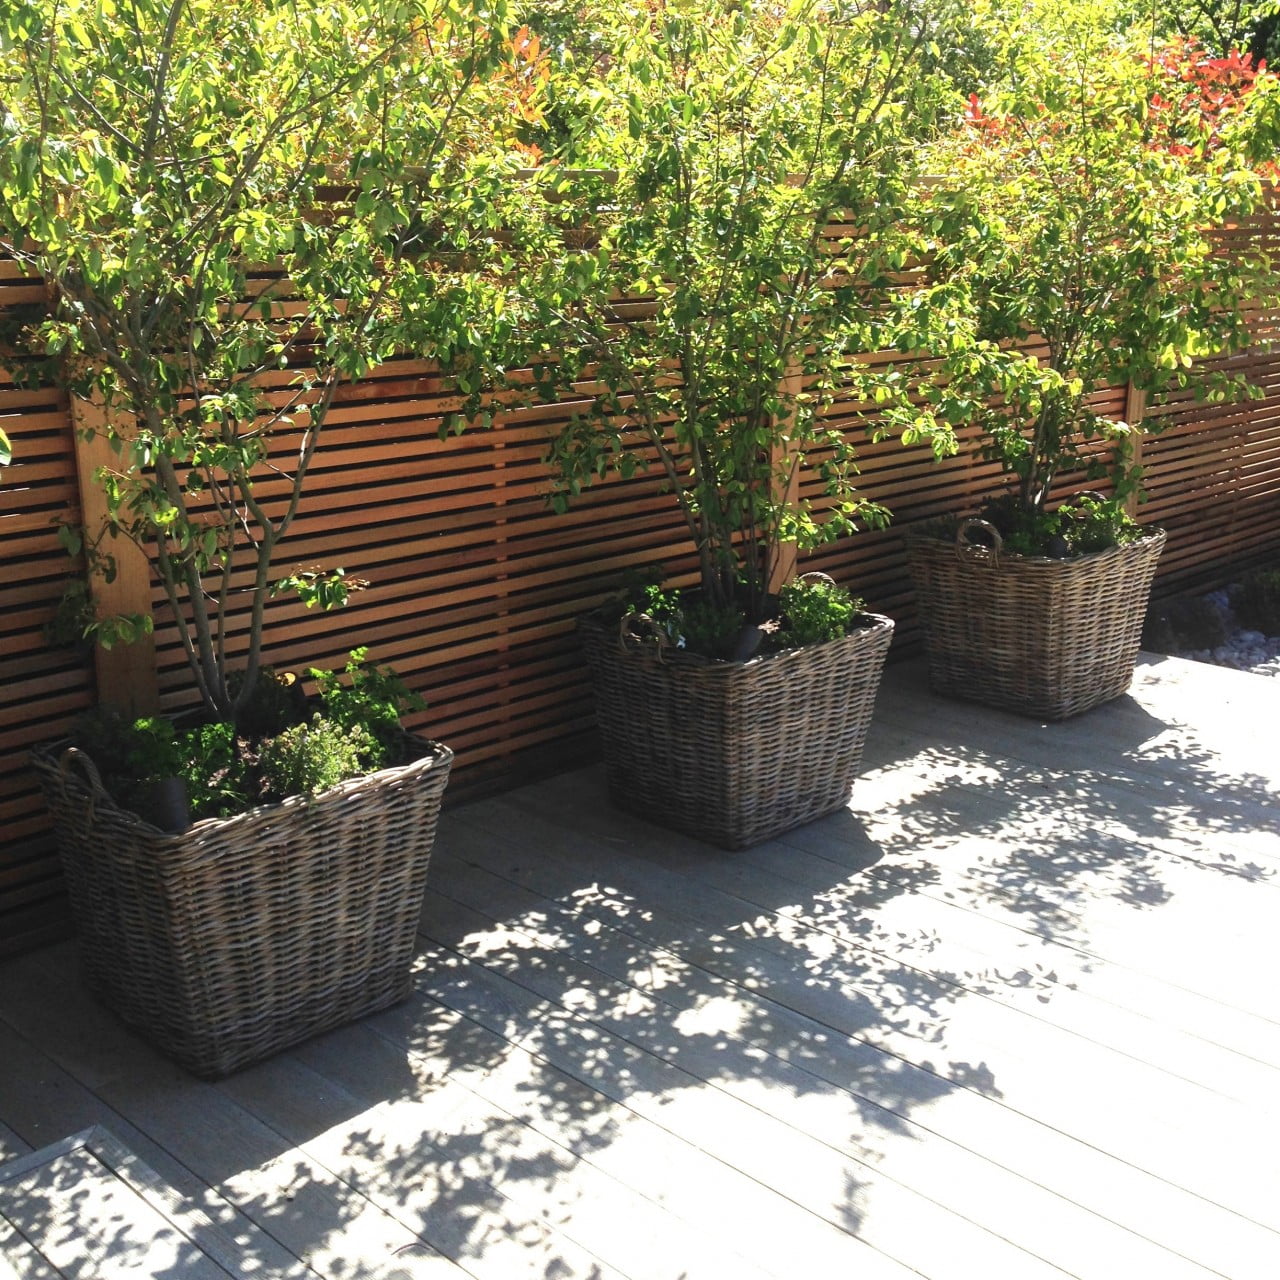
(41, 688)
(474, 584)
(1213, 480)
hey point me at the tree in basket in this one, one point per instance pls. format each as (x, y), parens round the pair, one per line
(238, 208)
(234, 226)
(762, 159)
(1074, 243)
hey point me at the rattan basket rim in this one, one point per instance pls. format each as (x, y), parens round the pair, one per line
(924, 533)
(431, 755)
(871, 624)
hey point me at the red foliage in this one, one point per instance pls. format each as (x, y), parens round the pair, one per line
(1211, 88)
(1191, 99)
(526, 73)
(978, 119)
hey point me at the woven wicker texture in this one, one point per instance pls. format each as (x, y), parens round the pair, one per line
(734, 752)
(1047, 638)
(245, 935)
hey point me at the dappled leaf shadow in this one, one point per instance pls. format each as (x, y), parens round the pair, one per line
(628, 1051)
(86, 1207)
(1120, 804)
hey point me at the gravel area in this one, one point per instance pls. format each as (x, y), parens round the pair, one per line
(1244, 650)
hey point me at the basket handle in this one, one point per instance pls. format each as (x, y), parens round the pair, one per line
(83, 762)
(81, 759)
(638, 632)
(816, 575)
(965, 548)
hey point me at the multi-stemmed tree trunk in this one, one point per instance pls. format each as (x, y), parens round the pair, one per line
(234, 204)
(740, 134)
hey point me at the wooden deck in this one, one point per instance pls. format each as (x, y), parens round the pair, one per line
(1015, 1014)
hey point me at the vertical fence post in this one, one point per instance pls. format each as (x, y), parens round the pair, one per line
(784, 568)
(1135, 410)
(126, 672)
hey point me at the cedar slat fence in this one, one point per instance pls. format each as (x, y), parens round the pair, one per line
(474, 584)
(41, 688)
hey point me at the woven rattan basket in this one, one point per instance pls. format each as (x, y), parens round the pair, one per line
(734, 752)
(1047, 638)
(244, 935)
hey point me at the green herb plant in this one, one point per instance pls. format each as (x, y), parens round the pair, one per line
(1084, 523)
(218, 779)
(312, 757)
(815, 611)
(682, 620)
(370, 700)
(810, 610)
(278, 749)
(133, 755)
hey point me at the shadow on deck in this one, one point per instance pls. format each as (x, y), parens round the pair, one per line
(1012, 1013)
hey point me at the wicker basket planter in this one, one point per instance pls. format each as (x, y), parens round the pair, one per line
(734, 753)
(245, 935)
(1047, 638)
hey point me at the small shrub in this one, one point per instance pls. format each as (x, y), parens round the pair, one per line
(226, 769)
(1081, 525)
(1023, 532)
(368, 698)
(710, 629)
(1094, 524)
(1256, 601)
(309, 758)
(661, 605)
(216, 774)
(815, 611)
(131, 755)
(810, 611)
(687, 621)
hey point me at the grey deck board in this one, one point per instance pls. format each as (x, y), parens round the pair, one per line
(1036, 1149)
(836, 979)
(997, 894)
(890, 1086)
(1012, 1013)
(90, 1210)
(479, 1157)
(19, 1259)
(595, 1098)
(953, 1186)
(292, 1208)
(729, 1212)
(11, 1145)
